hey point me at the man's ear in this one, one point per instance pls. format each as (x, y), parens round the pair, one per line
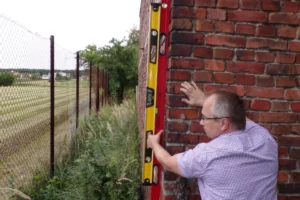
(224, 124)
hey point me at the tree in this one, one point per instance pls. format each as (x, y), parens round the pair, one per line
(120, 59)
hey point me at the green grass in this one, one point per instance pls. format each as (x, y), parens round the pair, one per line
(103, 162)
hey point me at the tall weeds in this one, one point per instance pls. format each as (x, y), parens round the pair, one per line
(103, 162)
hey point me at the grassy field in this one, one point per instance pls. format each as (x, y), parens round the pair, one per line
(25, 127)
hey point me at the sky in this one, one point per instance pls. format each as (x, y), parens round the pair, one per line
(75, 24)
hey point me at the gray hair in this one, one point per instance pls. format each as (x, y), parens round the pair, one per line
(229, 104)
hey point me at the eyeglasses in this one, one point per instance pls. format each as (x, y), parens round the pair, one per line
(209, 118)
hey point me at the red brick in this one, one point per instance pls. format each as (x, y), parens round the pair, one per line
(292, 94)
(176, 75)
(296, 129)
(225, 40)
(271, 5)
(175, 149)
(290, 7)
(180, 50)
(188, 12)
(245, 79)
(205, 3)
(281, 129)
(251, 67)
(282, 106)
(281, 69)
(295, 106)
(286, 81)
(204, 139)
(245, 55)
(214, 65)
(278, 117)
(295, 153)
(196, 127)
(216, 14)
(224, 27)
(183, 114)
(174, 88)
(254, 116)
(183, 138)
(267, 126)
(226, 54)
(228, 3)
(267, 31)
(258, 43)
(283, 152)
(266, 81)
(294, 46)
(223, 77)
(204, 25)
(246, 103)
(175, 101)
(286, 164)
(260, 105)
(284, 18)
(202, 76)
(250, 4)
(247, 29)
(264, 92)
(183, 3)
(203, 52)
(182, 63)
(237, 89)
(287, 32)
(264, 56)
(195, 197)
(282, 176)
(285, 58)
(181, 24)
(169, 176)
(295, 177)
(177, 126)
(186, 38)
(298, 82)
(297, 58)
(247, 16)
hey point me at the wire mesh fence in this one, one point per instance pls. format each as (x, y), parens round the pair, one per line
(25, 103)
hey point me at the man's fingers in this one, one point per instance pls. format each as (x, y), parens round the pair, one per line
(194, 84)
(186, 101)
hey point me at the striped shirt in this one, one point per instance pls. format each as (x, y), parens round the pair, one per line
(241, 165)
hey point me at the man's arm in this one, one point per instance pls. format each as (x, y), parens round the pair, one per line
(166, 160)
(195, 96)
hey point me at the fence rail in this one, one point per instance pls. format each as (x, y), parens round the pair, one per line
(44, 93)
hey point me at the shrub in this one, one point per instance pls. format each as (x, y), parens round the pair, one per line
(6, 79)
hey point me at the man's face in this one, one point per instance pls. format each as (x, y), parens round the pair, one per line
(212, 127)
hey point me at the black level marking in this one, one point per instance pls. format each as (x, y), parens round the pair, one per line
(150, 97)
(148, 150)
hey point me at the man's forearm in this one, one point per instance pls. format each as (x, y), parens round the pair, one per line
(161, 154)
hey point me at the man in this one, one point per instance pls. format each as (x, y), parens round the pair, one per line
(239, 163)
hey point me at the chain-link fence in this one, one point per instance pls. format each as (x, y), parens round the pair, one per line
(39, 108)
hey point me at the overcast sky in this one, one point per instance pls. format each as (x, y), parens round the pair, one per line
(75, 24)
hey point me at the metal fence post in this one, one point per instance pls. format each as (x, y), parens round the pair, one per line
(77, 88)
(97, 91)
(52, 79)
(90, 89)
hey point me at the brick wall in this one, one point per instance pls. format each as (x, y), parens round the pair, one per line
(251, 47)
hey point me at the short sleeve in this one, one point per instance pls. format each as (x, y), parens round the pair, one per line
(192, 163)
